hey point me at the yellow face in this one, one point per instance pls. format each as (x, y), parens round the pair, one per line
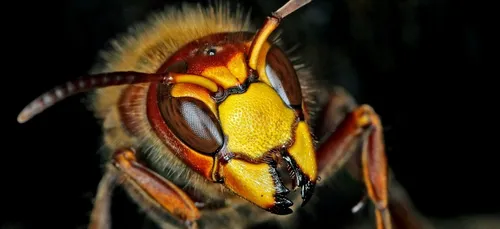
(259, 124)
(248, 120)
(264, 125)
(256, 122)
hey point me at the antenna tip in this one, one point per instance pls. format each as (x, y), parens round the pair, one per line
(23, 117)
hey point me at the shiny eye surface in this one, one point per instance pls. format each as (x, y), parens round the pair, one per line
(282, 76)
(193, 123)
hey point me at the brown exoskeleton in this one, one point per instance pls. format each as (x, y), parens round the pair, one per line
(200, 115)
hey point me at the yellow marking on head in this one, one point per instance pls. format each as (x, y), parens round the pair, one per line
(194, 79)
(221, 75)
(262, 62)
(256, 121)
(260, 39)
(196, 92)
(302, 151)
(251, 181)
(237, 66)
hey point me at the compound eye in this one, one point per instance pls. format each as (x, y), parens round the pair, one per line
(282, 76)
(193, 123)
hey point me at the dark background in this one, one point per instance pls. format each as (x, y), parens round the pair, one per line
(419, 63)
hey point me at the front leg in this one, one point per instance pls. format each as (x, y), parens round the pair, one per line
(361, 125)
(339, 129)
(159, 197)
(342, 128)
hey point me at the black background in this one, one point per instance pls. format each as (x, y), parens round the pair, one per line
(420, 64)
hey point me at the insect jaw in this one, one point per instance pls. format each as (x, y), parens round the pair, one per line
(273, 161)
(301, 180)
(281, 202)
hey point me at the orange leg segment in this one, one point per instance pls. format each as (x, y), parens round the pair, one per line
(149, 189)
(360, 126)
(100, 217)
